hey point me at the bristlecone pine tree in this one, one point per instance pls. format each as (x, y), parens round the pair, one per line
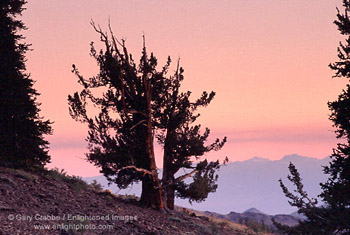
(22, 144)
(121, 136)
(183, 143)
(137, 103)
(333, 216)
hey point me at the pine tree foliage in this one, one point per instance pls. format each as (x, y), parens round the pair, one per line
(307, 206)
(333, 216)
(184, 143)
(22, 144)
(137, 103)
(204, 182)
(121, 136)
(336, 191)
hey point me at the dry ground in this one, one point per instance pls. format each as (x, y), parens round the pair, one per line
(51, 202)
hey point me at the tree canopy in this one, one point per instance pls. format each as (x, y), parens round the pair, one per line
(136, 104)
(22, 130)
(183, 142)
(333, 216)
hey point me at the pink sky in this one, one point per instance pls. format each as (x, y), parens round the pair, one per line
(266, 60)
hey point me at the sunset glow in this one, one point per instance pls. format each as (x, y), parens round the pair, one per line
(267, 61)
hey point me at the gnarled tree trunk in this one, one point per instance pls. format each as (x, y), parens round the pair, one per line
(151, 187)
(168, 171)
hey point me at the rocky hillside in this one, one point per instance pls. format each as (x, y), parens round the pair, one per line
(50, 202)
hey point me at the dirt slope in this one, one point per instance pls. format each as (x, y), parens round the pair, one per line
(54, 203)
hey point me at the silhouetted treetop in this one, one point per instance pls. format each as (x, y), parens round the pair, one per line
(135, 103)
(22, 144)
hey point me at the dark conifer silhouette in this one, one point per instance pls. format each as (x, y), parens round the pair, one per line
(121, 135)
(22, 144)
(183, 143)
(336, 191)
(138, 103)
(333, 216)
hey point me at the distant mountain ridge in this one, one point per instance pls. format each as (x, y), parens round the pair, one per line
(253, 210)
(251, 183)
(254, 214)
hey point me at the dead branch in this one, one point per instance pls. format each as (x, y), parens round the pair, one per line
(137, 124)
(144, 171)
(185, 176)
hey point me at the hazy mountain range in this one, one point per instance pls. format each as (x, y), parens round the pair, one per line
(254, 214)
(251, 183)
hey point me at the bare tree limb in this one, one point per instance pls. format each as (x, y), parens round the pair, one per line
(185, 176)
(137, 124)
(136, 169)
